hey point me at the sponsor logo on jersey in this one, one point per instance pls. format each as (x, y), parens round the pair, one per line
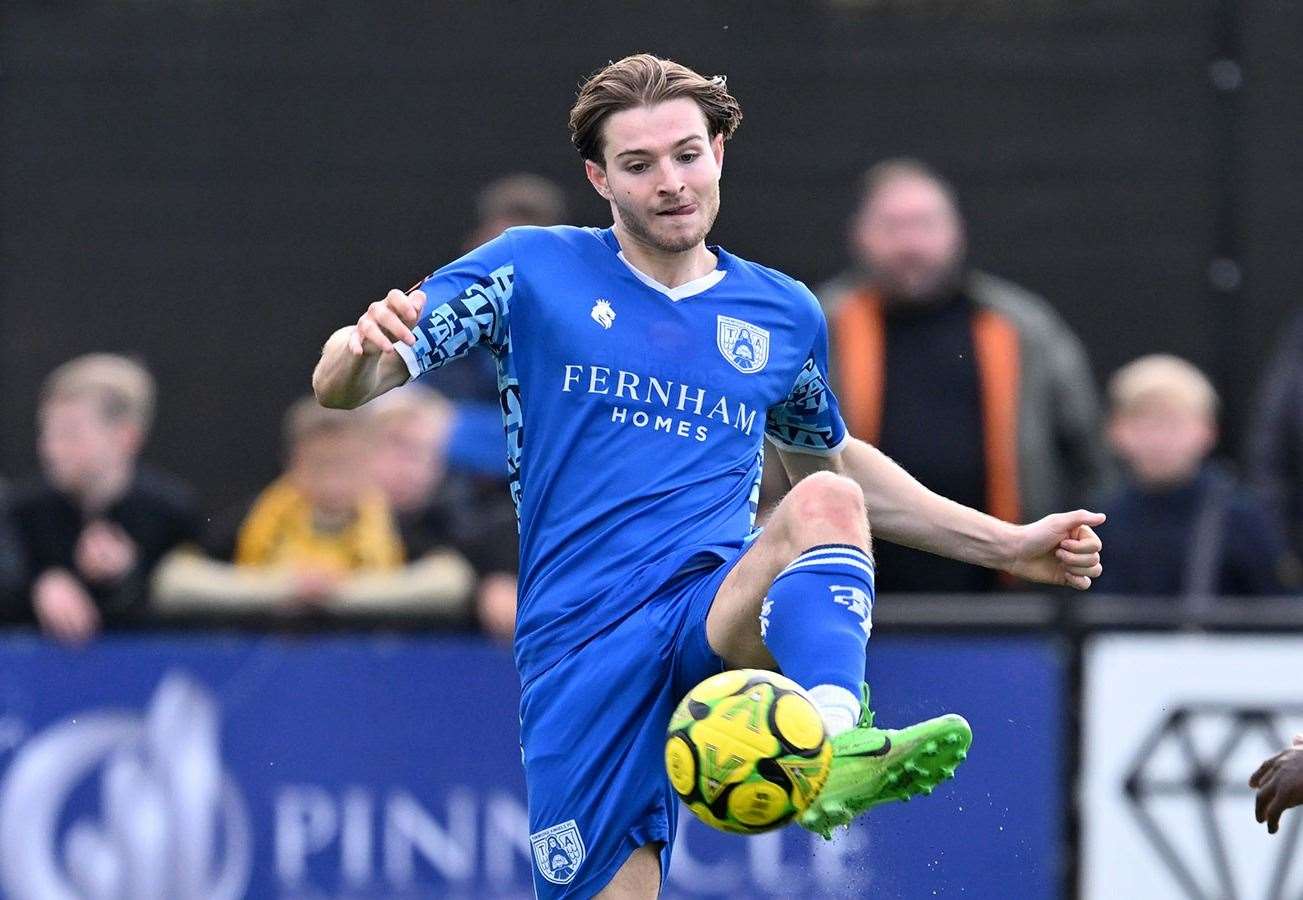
(603, 314)
(558, 851)
(745, 346)
(663, 398)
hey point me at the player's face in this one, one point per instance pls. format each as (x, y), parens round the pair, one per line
(1163, 444)
(78, 445)
(661, 174)
(910, 239)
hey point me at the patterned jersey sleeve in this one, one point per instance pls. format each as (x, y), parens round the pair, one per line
(808, 420)
(466, 303)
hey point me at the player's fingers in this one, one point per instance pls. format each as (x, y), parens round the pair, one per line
(1083, 560)
(1268, 768)
(400, 305)
(1087, 571)
(1260, 773)
(355, 342)
(1080, 582)
(1089, 543)
(1274, 811)
(407, 306)
(1262, 800)
(372, 337)
(1068, 523)
(390, 323)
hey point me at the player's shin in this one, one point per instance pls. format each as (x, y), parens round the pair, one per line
(816, 621)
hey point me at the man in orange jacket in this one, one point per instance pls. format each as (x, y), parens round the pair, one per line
(924, 346)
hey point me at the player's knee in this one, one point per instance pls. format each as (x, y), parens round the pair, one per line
(829, 500)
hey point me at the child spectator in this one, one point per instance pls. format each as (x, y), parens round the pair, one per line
(91, 531)
(1180, 526)
(438, 510)
(321, 535)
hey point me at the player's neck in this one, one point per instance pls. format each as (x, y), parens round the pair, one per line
(672, 269)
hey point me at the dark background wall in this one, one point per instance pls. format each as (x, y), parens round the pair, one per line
(217, 185)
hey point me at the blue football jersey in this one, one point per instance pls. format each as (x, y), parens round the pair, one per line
(635, 414)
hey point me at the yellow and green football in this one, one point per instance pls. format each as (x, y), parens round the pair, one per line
(747, 751)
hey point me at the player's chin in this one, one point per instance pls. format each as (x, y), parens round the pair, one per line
(677, 237)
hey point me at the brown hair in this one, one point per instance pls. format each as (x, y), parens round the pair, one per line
(121, 387)
(900, 168)
(523, 199)
(643, 80)
(306, 418)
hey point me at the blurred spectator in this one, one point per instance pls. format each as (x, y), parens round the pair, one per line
(520, 199)
(472, 384)
(321, 535)
(925, 346)
(438, 510)
(11, 563)
(1275, 446)
(1180, 525)
(92, 530)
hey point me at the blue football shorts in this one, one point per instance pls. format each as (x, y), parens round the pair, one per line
(593, 730)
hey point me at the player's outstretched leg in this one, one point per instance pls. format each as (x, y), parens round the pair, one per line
(802, 597)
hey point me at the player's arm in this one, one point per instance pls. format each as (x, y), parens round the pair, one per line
(459, 307)
(359, 362)
(1059, 549)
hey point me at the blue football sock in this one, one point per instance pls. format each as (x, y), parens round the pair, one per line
(816, 622)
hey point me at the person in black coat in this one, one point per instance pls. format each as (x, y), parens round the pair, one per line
(90, 531)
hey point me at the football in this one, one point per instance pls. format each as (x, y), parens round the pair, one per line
(746, 751)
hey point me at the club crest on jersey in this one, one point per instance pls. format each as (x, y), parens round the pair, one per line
(558, 851)
(603, 314)
(745, 346)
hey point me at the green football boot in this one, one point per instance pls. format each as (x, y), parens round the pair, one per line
(872, 766)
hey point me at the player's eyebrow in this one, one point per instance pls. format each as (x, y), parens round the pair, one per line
(641, 152)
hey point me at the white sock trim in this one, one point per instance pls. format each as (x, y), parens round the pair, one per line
(846, 556)
(861, 564)
(839, 708)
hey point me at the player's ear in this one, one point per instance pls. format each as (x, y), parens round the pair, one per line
(717, 148)
(597, 178)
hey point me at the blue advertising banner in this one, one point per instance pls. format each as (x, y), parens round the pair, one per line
(303, 768)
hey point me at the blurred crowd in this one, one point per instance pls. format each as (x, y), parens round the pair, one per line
(974, 384)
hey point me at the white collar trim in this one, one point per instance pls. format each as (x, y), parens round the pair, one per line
(683, 291)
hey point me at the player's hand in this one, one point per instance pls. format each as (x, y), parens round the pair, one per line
(385, 322)
(63, 608)
(104, 553)
(1279, 783)
(1059, 549)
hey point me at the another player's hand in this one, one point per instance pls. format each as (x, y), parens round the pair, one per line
(385, 322)
(1059, 549)
(63, 608)
(1279, 783)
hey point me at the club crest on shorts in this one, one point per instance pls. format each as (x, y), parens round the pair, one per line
(745, 346)
(558, 851)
